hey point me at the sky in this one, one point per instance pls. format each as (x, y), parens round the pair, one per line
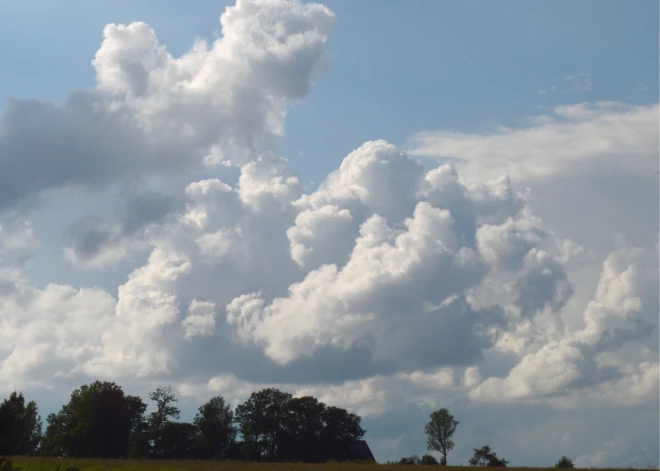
(393, 206)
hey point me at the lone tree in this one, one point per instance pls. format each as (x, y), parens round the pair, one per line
(564, 462)
(439, 431)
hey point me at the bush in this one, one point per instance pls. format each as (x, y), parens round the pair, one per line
(564, 462)
(428, 460)
(412, 459)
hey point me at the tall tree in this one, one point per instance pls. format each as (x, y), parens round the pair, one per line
(440, 431)
(97, 422)
(340, 428)
(304, 429)
(159, 419)
(262, 421)
(20, 426)
(215, 421)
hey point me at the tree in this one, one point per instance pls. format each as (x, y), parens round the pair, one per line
(20, 426)
(564, 462)
(179, 440)
(340, 428)
(484, 456)
(160, 418)
(97, 422)
(304, 429)
(215, 421)
(428, 460)
(262, 422)
(440, 430)
(275, 426)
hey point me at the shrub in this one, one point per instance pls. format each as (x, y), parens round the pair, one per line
(428, 460)
(564, 462)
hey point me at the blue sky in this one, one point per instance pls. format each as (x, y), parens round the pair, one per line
(396, 67)
(544, 230)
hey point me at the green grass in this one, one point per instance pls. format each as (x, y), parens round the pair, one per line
(52, 464)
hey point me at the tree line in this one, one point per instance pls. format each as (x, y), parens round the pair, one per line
(101, 421)
(440, 431)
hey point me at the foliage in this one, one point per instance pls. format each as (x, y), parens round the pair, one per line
(564, 462)
(215, 421)
(100, 421)
(409, 460)
(97, 422)
(160, 418)
(20, 426)
(484, 456)
(439, 431)
(428, 460)
(275, 426)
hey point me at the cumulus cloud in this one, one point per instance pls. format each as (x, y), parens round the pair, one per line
(615, 349)
(393, 285)
(151, 112)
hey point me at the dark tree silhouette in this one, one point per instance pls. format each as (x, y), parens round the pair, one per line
(304, 428)
(274, 426)
(428, 460)
(262, 421)
(439, 431)
(340, 428)
(97, 422)
(179, 440)
(100, 421)
(160, 418)
(409, 460)
(564, 462)
(215, 421)
(20, 426)
(484, 456)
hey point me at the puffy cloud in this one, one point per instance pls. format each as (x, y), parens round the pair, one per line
(392, 287)
(200, 321)
(152, 113)
(614, 351)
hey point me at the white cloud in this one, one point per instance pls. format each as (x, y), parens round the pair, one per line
(579, 136)
(200, 321)
(391, 287)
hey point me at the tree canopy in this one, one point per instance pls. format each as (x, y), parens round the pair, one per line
(564, 462)
(97, 422)
(484, 456)
(20, 426)
(440, 431)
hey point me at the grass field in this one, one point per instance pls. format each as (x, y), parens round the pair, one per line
(52, 464)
